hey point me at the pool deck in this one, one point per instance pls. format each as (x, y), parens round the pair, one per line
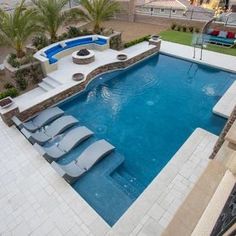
(35, 200)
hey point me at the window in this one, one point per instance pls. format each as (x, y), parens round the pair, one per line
(162, 10)
(174, 11)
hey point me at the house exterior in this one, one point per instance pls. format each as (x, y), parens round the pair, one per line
(161, 8)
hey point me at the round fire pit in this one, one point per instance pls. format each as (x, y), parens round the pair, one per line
(78, 76)
(122, 57)
(83, 56)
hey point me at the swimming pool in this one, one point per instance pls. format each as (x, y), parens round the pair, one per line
(147, 112)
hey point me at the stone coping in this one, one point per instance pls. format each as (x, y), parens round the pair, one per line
(227, 102)
(192, 207)
(215, 206)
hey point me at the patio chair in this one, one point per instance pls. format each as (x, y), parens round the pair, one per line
(43, 118)
(70, 140)
(91, 155)
(46, 133)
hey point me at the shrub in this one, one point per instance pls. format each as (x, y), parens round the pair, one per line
(179, 28)
(73, 32)
(184, 28)
(12, 60)
(136, 41)
(197, 30)
(8, 85)
(63, 36)
(190, 28)
(173, 26)
(40, 41)
(21, 82)
(12, 92)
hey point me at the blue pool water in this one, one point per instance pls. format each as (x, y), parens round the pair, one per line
(147, 112)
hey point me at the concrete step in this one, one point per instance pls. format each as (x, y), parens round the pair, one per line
(54, 80)
(46, 87)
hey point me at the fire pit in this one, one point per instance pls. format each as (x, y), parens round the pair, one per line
(83, 56)
(6, 102)
(78, 76)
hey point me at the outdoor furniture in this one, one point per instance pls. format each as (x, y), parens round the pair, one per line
(70, 140)
(56, 127)
(92, 154)
(224, 38)
(43, 118)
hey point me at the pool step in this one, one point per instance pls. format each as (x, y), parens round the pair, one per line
(127, 183)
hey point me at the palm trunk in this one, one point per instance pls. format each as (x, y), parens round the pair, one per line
(96, 28)
(53, 37)
(20, 53)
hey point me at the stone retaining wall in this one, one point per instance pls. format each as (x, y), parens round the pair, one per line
(26, 114)
(222, 135)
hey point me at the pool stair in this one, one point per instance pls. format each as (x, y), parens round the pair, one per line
(128, 183)
(49, 83)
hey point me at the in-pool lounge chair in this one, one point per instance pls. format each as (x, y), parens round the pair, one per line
(71, 139)
(44, 118)
(56, 127)
(92, 154)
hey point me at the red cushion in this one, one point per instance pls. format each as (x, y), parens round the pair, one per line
(215, 32)
(231, 35)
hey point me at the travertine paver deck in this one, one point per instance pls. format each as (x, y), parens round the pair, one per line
(226, 104)
(35, 200)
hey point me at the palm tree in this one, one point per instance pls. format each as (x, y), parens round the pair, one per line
(16, 27)
(98, 11)
(51, 15)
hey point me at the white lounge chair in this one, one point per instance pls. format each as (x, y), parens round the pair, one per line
(43, 118)
(85, 161)
(71, 139)
(56, 127)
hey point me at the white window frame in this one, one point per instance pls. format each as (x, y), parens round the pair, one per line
(173, 11)
(162, 10)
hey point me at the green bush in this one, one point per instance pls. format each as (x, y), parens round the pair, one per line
(136, 41)
(184, 28)
(73, 32)
(12, 60)
(8, 85)
(12, 92)
(179, 27)
(21, 82)
(197, 30)
(63, 36)
(173, 26)
(190, 28)
(40, 41)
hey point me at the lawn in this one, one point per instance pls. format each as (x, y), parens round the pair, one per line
(186, 39)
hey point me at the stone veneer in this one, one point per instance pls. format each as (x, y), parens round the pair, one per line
(26, 114)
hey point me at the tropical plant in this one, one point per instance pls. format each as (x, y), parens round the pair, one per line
(17, 26)
(97, 11)
(52, 16)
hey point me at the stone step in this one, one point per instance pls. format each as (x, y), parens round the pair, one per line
(54, 80)
(46, 87)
